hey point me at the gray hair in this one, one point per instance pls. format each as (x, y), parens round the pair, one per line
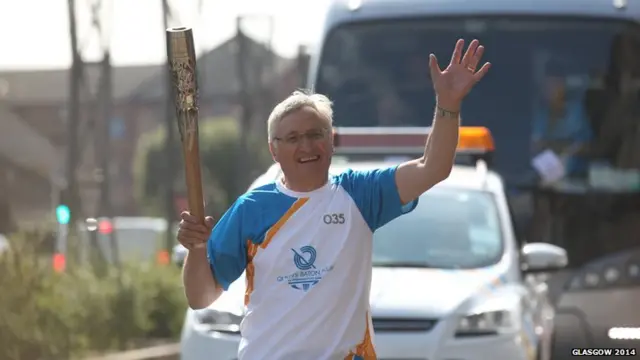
(296, 101)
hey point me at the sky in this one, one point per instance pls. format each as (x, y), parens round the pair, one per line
(137, 33)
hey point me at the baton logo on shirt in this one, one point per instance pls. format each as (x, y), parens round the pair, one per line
(301, 262)
(308, 275)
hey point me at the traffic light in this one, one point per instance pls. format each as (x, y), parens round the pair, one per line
(63, 214)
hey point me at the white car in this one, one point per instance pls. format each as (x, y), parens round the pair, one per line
(447, 281)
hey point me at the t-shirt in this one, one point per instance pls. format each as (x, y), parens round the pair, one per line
(574, 128)
(308, 265)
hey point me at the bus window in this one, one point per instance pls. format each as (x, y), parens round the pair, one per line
(554, 83)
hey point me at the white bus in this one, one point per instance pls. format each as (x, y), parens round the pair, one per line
(564, 78)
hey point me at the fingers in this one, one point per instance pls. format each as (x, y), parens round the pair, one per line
(482, 72)
(475, 59)
(434, 69)
(195, 227)
(191, 222)
(187, 217)
(193, 234)
(191, 237)
(457, 52)
(470, 54)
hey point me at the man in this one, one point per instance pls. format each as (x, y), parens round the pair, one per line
(305, 241)
(561, 125)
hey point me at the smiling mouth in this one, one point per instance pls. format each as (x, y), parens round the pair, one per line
(309, 159)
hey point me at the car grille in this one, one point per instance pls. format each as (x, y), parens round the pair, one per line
(402, 324)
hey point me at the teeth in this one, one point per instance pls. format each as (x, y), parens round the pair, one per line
(309, 158)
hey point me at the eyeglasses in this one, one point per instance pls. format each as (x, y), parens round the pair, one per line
(312, 136)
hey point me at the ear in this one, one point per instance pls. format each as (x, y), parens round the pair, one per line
(273, 151)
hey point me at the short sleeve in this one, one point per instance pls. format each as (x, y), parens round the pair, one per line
(376, 194)
(226, 247)
(583, 134)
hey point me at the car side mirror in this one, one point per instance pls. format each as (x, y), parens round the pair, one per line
(178, 255)
(543, 257)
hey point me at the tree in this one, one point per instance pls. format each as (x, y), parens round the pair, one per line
(219, 153)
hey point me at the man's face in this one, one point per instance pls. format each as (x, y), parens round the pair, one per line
(555, 91)
(303, 145)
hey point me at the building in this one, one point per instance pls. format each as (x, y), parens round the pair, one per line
(27, 160)
(37, 101)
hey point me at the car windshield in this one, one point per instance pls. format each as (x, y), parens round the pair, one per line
(450, 229)
(563, 84)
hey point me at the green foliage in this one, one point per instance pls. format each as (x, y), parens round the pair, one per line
(226, 173)
(44, 314)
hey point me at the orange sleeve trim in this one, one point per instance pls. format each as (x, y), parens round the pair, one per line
(252, 248)
(283, 220)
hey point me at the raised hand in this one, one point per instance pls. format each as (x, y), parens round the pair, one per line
(456, 81)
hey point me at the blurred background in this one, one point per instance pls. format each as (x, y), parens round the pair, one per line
(91, 170)
(78, 98)
(87, 131)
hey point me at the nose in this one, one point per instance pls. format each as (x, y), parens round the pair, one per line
(305, 143)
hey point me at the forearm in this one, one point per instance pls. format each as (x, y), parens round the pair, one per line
(440, 149)
(200, 286)
(415, 177)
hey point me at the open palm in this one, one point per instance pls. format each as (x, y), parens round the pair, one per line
(454, 83)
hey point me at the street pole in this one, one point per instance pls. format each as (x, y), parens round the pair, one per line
(61, 245)
(71, 197)
(246, 112)
(106, 206)
(63, 215)
(302, 66)
(169, 151)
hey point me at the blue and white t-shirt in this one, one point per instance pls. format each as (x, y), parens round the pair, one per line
(308, 266)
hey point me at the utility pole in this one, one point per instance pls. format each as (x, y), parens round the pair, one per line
(268, 97)
(106, 206)
(302, 66)
(169, 151)
(103, 151)
(246, 109)
(71, 194)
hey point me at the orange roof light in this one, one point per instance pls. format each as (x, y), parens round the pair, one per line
(475, 138)
(390, 140)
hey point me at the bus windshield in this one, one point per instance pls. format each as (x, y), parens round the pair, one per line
(557, 83)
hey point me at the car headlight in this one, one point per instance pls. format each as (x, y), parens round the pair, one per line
(486, 323)
(218, 321)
